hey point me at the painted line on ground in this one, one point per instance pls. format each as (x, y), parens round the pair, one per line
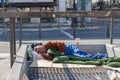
(66, 33)
(48, 29)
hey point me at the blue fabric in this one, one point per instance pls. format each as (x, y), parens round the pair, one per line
(72, 49)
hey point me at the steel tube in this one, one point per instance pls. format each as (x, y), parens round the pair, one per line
(72, 14)
(111, 30)
(40, 31)
(74, 30)
(20, 34)
(12, 41)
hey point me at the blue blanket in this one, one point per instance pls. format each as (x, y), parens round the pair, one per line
(72, 49)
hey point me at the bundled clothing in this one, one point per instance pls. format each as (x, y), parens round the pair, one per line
(64, 49)
(74, 50)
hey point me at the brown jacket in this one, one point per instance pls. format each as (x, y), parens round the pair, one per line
(57, 45)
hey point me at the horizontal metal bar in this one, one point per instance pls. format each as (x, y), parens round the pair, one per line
(59, 14)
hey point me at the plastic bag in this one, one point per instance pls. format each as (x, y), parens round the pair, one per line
(112, 75)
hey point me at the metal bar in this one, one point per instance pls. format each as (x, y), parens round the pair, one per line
(72, 14)
(91, 22)
(108, 31)
(40, 33)
(12, 41)
(111, 30)
(11, 44)
(74, 30)
(58, 17)
(51, 22)
(20, 35)
(82, 19)
(14, 44)
(58, 22)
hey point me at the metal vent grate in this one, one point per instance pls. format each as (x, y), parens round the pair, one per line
(93, 73)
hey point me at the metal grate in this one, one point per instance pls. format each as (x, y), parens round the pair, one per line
(87, 73)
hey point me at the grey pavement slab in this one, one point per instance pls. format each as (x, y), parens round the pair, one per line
(4, 66)
(5, 47)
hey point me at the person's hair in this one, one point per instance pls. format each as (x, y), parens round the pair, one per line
(40, 44)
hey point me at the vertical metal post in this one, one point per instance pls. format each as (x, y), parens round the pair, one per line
(82, 20)
(108, 30)
(58, 22)
(111, 30)
(91, 17)
(74, 20)
(91, 22)
(51, 22)
(20, 35)
(12, 41)
(74, 31)
(58, 17)
(39, 30)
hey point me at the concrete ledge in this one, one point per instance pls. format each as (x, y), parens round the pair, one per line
(19, 66)
(113, 50)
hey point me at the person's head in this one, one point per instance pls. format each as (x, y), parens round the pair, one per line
(40, 49)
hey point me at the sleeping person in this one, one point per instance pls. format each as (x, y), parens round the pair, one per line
(65, 49)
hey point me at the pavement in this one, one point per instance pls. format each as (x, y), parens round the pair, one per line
(4, 66)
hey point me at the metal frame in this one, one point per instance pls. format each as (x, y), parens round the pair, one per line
(111, 30)
(74, 14)
(12, 41)
(20, 34)
(60, 14)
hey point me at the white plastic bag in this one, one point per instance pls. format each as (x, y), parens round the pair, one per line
(112, 75)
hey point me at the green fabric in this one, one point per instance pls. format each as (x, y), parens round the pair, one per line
(112, 62)
(54, 52)
(60, 59)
